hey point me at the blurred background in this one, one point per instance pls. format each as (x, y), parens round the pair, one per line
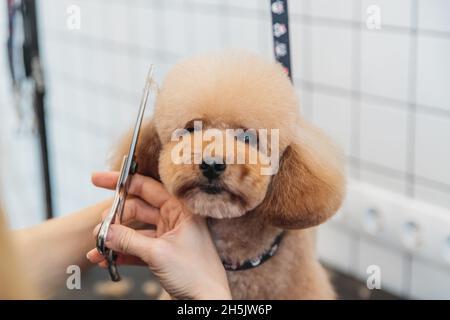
(373, 74)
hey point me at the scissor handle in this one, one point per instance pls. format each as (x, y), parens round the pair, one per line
(111, 257)
(114, 215)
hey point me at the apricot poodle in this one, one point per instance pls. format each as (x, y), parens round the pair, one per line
(262, 224)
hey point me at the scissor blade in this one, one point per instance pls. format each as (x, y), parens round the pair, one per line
(137, 126)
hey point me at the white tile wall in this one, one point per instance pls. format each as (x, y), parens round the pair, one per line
(382, 95)
(384, 64)
(383, 132)
(175, 39)
(306, 101)
(432, 160)
(389, 262)
(429, 282)
(433, 72)
(332, 9)
(331, 69)
(393, 13)
(382, 180)
(432, 194)
(300, 43)
(433, 15)
(250, 4)
(93, 15)
(247, 29)
(335, 247)
(147, 31)
(332, 113)
(210, 36)
(299, 7)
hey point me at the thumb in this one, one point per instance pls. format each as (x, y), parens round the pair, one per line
(128, 241)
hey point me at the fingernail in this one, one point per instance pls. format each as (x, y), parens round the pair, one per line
(87, 256)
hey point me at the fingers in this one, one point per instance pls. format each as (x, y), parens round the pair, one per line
(145, 232)
(141, 186)
(95, 257)
(107, 180)
(137, 210)
(129, 241)
(149, 190)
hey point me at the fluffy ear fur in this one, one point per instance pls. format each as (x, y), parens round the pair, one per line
(309, 186)
(147, 151)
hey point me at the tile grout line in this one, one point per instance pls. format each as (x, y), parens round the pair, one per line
(308, 34)
(355, 114)
(412, 109)
(389, 102)
(355, 118)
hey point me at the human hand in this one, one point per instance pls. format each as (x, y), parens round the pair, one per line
(179, 251)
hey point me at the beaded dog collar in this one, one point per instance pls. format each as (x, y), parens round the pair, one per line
(252, 263)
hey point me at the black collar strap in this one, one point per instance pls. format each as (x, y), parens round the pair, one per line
(252, 263)
(280, 33)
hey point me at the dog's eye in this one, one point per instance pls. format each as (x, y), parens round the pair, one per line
(248, 137)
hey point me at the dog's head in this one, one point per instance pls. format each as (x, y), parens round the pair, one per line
(248, 149)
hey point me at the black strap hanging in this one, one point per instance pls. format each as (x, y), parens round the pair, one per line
(280, 32)
(25, 64)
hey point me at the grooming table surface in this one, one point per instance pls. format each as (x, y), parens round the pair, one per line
(346, 287)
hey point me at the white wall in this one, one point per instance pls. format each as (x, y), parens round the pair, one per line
(382, 94)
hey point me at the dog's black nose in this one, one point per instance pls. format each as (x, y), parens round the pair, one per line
(212, 170)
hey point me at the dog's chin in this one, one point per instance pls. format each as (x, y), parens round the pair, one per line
(214, 202)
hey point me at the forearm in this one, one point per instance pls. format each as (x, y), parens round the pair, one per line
(48, 249)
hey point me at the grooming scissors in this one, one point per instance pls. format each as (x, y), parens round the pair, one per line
(128, 168)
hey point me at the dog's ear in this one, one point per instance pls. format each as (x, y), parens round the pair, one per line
(309, 185)
(147, 151)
